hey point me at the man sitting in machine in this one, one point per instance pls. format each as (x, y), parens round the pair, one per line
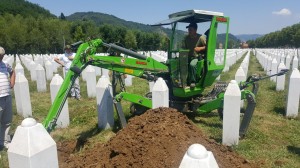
(196, 44)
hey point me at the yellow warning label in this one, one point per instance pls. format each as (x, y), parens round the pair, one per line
(129, 71)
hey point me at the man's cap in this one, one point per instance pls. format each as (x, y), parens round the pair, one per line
(2, 51)
(67, 47)
(194, 25)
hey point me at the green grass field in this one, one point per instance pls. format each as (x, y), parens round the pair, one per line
(272, 140)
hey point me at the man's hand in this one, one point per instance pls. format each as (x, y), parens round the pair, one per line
(198, 49)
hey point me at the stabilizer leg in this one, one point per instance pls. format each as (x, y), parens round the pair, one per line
(247, 115)
(120, 113)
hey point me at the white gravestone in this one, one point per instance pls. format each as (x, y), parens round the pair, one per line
(198, 157)
(90, 81)
(40, 79)
(128, 80)
(231, 114)
(274, 69)
(32, 147)
(240, 77)
(160, 94)
(280, 79)
(49, 70)
(293, 94)
(295, 62)
(22, 96)
(104, 103)
(32, 71)
(63, 120)
(19, 69)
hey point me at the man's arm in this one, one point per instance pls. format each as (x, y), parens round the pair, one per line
(201, 44)
(59, 62)
(198, 49)
(12, 78)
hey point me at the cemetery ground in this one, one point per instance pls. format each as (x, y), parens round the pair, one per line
(271, 141)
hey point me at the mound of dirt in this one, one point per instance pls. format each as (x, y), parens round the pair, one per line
(158, 138)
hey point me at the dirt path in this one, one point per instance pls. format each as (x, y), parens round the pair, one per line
(158, 138)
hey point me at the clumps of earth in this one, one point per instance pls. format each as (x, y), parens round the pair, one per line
(158, 138)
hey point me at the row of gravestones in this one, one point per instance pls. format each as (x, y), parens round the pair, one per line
(24, 144)
(273, 64)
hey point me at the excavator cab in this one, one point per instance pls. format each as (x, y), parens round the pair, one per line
(211, 25)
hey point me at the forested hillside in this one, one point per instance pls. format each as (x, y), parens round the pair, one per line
(288, 37)
(23, 8)
(247, 37)
(29, 28)
(101, 18)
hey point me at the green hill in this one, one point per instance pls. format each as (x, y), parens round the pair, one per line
(288, 37)
(101, 18)
(23, 8)
(247, 37)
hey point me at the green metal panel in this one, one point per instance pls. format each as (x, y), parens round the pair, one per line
(187, 92)
(174, 72)
(214, 70)
(131, 66)
(212, 105)
(134, 98)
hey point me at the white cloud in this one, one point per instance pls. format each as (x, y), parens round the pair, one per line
(283, 12)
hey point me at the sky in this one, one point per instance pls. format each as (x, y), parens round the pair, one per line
(246, 16)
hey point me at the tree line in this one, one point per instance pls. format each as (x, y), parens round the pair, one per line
(40, 35)
(288, 37)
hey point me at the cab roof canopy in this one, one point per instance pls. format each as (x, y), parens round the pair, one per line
(189, 16)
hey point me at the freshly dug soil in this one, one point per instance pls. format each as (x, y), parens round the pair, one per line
(158, 138)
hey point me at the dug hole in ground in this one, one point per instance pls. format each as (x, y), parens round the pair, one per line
(157, 138)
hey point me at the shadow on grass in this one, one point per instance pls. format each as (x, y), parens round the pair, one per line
(84, 136)
(211, 120)
(272, 87)
(195, 118)
(117, 124)
(294, 150)
(279, 110)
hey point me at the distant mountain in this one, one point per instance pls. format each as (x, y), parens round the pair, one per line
(101, 18)
(246, 37)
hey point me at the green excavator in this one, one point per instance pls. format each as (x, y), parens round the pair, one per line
(174, 71)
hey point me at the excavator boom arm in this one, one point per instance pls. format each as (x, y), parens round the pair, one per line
(140, 66)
